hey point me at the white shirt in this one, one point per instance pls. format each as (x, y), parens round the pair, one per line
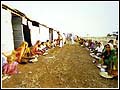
(99, 49)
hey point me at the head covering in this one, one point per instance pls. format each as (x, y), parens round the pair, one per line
(10, 58)
(111, 46)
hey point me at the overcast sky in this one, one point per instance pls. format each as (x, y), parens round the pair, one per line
(82, 18)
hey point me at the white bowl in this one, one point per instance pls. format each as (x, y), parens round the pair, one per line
(104, 66)
(102, 70)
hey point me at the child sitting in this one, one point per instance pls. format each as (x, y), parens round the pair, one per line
(11, 66)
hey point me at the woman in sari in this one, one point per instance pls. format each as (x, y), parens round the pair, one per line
(21, 51)
(109, 58)
(35, 49)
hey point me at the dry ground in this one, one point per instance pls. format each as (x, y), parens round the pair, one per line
(71, 67)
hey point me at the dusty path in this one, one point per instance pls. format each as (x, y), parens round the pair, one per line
(70, 67)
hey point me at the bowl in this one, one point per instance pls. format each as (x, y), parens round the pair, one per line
(102, 70)
(104, 66)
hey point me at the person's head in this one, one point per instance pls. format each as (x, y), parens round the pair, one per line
(96, 42)
(10, 59)
(99, 44)
(52, 41)
(108, 48)
(42, 43)
(47, 41)
(39, 45)
(58, 32)
(105, 46)
(38, 42)
(115, 47)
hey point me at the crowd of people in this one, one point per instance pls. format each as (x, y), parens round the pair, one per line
(105, 56)
(24, 54)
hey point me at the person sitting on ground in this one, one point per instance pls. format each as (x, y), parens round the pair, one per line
(114, 70)
(99, 61)
(11, 66)
(107, 58)
(111, 42)
(34, 49)
(42, 48)
(81, 41)
(92, 46)
(86, 44)
(99, 49)
(21, 51)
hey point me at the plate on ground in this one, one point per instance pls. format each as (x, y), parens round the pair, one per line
(105, 75)
(99, 65)
(104, 66)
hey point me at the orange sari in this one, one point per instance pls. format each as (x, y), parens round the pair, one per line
(19, 53)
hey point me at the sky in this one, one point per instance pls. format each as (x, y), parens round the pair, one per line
(84, 18)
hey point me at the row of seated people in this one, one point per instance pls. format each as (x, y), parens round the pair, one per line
(23, 52)
(105, 55)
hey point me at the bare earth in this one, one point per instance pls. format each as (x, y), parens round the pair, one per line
(67, 67)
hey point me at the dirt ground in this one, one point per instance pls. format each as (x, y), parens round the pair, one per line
(67, 67)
